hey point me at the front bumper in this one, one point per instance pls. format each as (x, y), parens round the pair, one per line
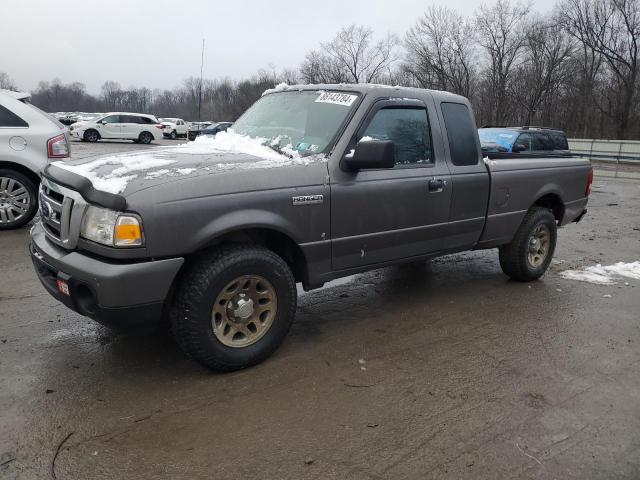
(113, 293)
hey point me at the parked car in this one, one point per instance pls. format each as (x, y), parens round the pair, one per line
(531, 140)
(196, 127)
(29, 139)
(314, 183)
(139, 127)
(213, 129)
(174, 127)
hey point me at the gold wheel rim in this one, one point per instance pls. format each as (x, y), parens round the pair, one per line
(244, 311)
(538, 248)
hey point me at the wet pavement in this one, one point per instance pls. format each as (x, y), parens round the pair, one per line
(435, 370)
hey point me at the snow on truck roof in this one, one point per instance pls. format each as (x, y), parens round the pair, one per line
(365, 88)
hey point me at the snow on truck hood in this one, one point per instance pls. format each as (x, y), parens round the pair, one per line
(225, 152)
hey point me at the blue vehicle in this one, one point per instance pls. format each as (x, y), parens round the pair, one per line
(523, 140)
(212, 129)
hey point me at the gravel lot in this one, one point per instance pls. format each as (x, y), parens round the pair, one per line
(439, 370)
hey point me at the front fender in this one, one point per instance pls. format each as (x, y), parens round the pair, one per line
(243, 220)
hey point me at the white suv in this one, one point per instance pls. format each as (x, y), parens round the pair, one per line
(29, 139)
(174, 127)
(139, 127)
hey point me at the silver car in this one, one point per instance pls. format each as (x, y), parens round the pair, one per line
(29, 139)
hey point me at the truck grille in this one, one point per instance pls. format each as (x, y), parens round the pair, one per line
(61, 211)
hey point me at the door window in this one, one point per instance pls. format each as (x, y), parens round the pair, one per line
(559, 141)
(10, 119)
(408, 129)
(525, 140)
(129, 119)
(111, 119)
(541, 142)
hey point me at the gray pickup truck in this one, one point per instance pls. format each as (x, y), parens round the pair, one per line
(313, 183)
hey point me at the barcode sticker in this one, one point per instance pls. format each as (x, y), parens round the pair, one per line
(336, 98)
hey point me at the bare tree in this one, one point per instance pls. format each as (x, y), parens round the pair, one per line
(111, 95)
(546, 53)
(351, 56)
(319, 67)
(440, 51)
(502, 33)
(611, 28)
(6, 82)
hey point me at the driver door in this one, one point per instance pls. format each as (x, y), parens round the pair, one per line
(110, 127)
(381, 215)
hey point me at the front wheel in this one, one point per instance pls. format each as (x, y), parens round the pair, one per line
(233, 307)
(91, 136)
(529, 254)
(18, 199)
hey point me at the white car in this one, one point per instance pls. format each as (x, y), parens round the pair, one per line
(174, 127)
(29, 140)
(139, 127)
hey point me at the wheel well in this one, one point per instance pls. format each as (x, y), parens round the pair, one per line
(34, 177)
(554, 203)
(276, 241)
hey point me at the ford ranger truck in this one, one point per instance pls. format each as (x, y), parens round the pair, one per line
(313, 183)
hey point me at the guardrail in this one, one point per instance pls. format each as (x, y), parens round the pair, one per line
(613, 151)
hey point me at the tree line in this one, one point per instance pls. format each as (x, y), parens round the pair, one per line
(575, 68)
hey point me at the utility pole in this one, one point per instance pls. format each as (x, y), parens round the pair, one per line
(200, 87)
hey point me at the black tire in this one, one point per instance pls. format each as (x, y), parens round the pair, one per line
(91, 135)
(32, 195)
(199, 288)
(515, 257)
(173, 135)
(146, 138)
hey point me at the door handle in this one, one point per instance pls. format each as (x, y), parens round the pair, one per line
(436, 185)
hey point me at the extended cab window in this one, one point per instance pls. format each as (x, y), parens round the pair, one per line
(408, 128)
(461, 133)
(10, 119)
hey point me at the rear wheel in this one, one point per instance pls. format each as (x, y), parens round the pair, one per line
(18, 199)
(145, 138)
(91, 136)
(529, 254)
(233, 307)
(173, 135)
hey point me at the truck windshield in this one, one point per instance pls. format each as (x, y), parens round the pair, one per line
(305, 121)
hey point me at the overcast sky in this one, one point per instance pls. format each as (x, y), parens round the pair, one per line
(157, 43)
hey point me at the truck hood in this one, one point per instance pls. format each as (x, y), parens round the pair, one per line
(233, 160)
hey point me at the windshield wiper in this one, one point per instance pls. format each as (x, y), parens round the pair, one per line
(278, 149)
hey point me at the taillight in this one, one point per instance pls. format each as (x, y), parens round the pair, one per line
(160, 126)
(57, 147)
(589, 184)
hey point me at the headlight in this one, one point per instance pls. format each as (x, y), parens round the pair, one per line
(112, 228)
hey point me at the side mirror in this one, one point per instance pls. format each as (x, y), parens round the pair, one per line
(371, 154)
(519, 147)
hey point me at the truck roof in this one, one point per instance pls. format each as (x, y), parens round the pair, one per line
(374, 88)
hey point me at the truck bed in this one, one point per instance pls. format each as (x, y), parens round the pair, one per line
(516, 179)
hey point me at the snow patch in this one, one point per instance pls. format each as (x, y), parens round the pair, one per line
(281, 87)
(604, 275)
(112, 174)
(232, 142)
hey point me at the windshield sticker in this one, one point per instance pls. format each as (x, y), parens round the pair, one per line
(336, 98)
(307, 146)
